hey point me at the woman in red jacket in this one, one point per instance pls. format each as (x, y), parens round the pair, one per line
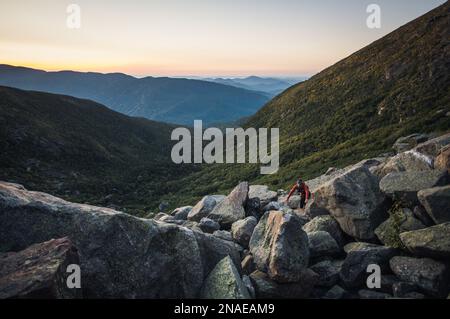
(302, 189)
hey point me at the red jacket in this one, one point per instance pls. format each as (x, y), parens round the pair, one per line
(303, 189)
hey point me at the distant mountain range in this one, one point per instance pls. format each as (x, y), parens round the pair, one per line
(270, 86)
(171, 100)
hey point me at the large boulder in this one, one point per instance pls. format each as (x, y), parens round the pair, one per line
(436, 202)
(231, 209)
(403, 186)
(263, 193)
(267, 288)
(322, 245)
(204, 207)
(354, 199)
(39, 271)
(242, 230)
(401, 220)
(326, 223)
(280, 247)
(121, 256)
(429, 242)
(224, 282)
(430, 275)
(354, 269)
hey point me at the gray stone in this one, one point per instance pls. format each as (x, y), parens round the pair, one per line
(204, 207)
(280, 247)
(224, 282)
(271, 206)
(263, 193)
(430, 275)
(181, 213)
(328, 224)
(408, 161)
(242, 230)
(354, 269)
(422, 215)
(371, 294)
(115, 249)
(429, 242)
(208, 225)
(231, 209)
(336, 292)
(248, 265)
(400, 221)
(322, 245)
(223, 234)
(328, 272)
(403, 186)
(436, 202)
(433, 147)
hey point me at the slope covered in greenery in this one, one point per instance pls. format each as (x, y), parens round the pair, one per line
(83, 151)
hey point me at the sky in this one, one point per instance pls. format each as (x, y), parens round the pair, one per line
(195, 37)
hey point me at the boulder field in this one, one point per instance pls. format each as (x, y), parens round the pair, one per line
(391, 211)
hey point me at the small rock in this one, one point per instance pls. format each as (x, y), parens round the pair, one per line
(321, 244)
(224, 282)
(436, 202)
(271, 206)
(430, 275)
(326, 223)
(336, 292)
(253, 208)
(429, 242)
(242, 230)
(403, 289)
(400, 221)
(422, 215)
(248, 265)
(371, 294)
(208, 225)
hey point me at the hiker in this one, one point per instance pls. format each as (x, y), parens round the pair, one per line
(302, 189)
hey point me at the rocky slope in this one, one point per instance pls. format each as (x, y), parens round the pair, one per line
(393, 212)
